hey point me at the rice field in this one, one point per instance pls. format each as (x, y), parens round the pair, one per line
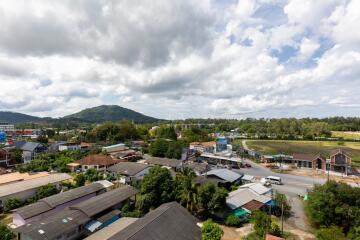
(271, 147)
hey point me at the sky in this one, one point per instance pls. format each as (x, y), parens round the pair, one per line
(182, 59)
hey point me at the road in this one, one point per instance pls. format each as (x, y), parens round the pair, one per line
(292, 185)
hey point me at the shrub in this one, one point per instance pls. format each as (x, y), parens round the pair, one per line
(233, 221)
(211, 231)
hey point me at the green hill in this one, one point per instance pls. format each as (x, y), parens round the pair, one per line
(15, 118)
(111, 113)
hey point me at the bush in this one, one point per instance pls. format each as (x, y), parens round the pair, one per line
(330, 233)
(12, 203)
(5, 233)
(233, 221)
(211, 231)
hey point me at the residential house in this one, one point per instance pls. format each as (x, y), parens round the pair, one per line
(30, 149)
(247, 179)
(165, 162)
(99, 162)
(202, 147)
(69, 147)
(115, 148)
(4, 157)
(246, 199)
(79, 220)
(129, 172)
(170, 221)
(197, 167)
(128, 155)
(26, 189)
(224, 177)
(313, 161)
(51, 205)
(340, 161)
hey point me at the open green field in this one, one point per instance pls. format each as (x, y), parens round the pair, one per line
(272, 147)
(346, 135)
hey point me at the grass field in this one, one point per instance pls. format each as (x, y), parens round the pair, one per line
(346, 135)
(289, 147)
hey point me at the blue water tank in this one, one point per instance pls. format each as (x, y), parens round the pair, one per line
(2, 137)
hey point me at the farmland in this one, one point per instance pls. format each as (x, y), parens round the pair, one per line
(346, 135)
(290, 147)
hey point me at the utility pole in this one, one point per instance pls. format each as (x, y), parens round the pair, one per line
(282, 218)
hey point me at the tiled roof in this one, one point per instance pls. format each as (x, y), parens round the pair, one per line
(336, 151)
(97, 159)
(305, 156)
(253, 205)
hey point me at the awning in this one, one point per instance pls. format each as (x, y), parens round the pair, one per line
(93, 225)
(240, 212)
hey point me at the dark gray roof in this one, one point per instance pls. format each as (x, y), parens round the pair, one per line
(53, 226)
(127, 168)
(164, 162)
(27, 146)
(97, 204)
(51, 202)
(170, 221)
(33, 210)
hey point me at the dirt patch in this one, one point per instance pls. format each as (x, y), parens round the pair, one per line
(236, 233)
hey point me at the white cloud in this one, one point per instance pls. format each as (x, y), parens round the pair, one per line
(180, 59)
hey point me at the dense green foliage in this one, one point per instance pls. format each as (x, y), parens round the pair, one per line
(5, 233)
(334, 204)
(46, 191)
(330, 233)
(232, 221)
(195, 134)
(187, 189)
(157, 188)
(211, 198)
(282, 201)
(164, 148)
(105, 113)
(166, 132)
(263, 225)
(211, 231)
(12, 203)
(52, 161)
(80, 180)
(113, 132)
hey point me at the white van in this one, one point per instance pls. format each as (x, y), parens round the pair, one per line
(272, 180)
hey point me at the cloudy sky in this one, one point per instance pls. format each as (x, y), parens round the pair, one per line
(181, 59)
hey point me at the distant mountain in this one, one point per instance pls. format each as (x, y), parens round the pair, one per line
(105, 113)
(14, 118)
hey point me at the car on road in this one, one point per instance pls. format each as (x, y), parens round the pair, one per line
(271, 180)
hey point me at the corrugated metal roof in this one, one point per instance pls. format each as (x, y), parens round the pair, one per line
(242, 196)
(164, 162)
(18, 187)
(258, 188)
(169, 221)
(104, 201)
(112, 229)
(55, 225)
(128, 168)
(224, 174)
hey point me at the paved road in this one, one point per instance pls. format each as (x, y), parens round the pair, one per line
(292, 185)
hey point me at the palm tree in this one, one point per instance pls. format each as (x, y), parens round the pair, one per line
(188, 189)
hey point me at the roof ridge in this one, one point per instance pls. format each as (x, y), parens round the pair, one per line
(152, 220)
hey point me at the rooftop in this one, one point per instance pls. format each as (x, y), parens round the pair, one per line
(164, 162)
(104, 201)
(169, 221)
(242, 196)
(128, 168)
(112, 229)
(224, 174)
(97, 159)
(17, 176)
(21, 186)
